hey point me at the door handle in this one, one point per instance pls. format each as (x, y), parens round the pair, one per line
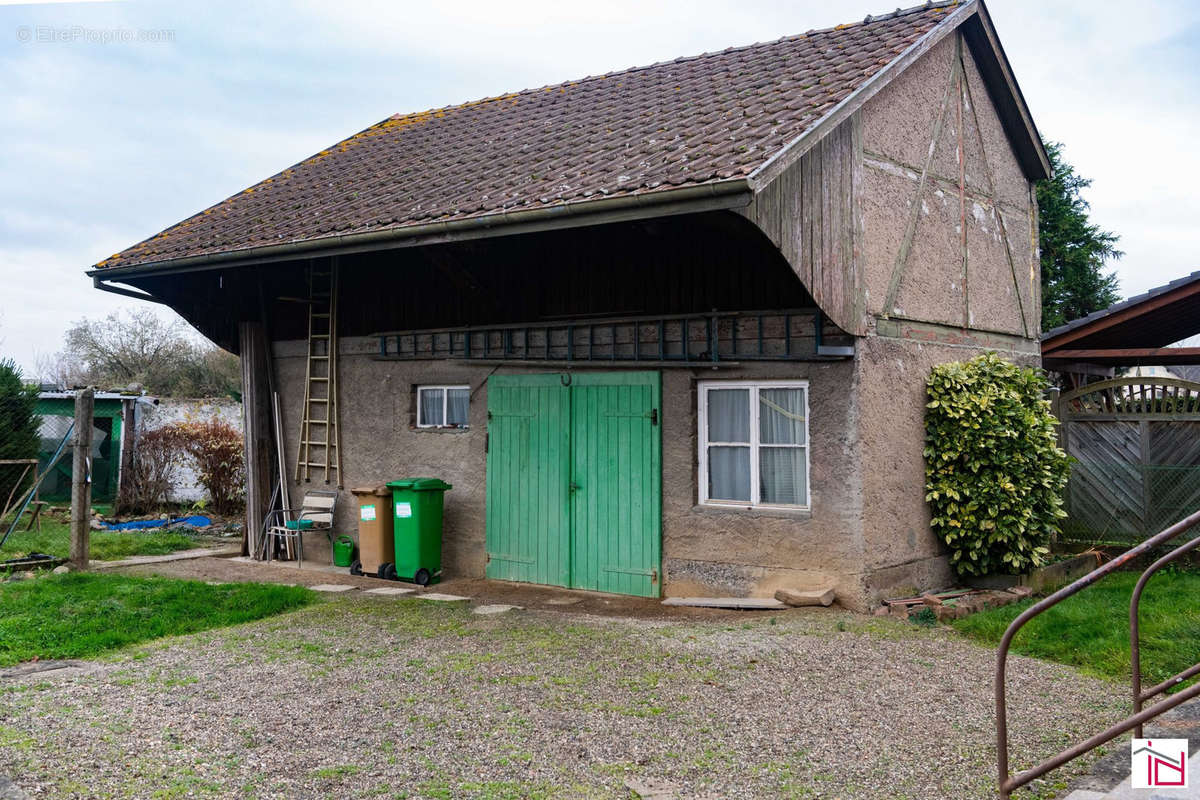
(574, 487)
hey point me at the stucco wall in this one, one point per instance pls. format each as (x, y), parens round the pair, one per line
(705, 550)
(915, 202)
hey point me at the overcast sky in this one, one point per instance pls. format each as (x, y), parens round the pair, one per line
(122, 118)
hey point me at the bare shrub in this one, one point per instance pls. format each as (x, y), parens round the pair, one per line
(215, 447)
(153, 470)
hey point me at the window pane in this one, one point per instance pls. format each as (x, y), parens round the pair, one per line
(457, 401)
(782, 475)
(729, 473)
(729, 415)
(431, 407)
(781, 416)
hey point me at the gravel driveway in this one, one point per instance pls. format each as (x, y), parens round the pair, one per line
(362, 696)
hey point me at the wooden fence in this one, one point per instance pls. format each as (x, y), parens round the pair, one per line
(1137, 446)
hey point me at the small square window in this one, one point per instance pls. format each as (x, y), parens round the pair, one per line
(443, 406)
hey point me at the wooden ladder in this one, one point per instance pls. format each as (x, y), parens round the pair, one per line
(320, 443)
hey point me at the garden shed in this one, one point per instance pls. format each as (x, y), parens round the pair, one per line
(57, 412)
(666, 331)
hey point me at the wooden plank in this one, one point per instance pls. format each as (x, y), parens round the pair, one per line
(257, 433)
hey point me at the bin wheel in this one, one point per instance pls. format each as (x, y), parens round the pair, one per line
(356, 568)
(387, 572)
(422, 577)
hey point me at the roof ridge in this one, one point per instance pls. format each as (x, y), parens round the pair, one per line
(869, 19)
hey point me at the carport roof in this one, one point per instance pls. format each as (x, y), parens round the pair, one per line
(1135, 331)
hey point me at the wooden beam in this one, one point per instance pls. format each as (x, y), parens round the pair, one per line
(257, 433)
(1128, 356)
(81, 480)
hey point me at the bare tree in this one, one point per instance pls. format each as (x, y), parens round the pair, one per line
(141, 347)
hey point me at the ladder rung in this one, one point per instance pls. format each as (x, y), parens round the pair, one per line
(319, 336)
(317, 378)
(319, 358)
(321, 444)
(317, 464)
(320, 314)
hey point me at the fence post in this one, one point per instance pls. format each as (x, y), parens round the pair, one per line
(81, 480)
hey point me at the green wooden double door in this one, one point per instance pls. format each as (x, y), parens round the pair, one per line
(574, 480)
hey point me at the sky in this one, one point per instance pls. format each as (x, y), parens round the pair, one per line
(122, 118)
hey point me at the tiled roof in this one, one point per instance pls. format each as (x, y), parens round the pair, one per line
(691, 121)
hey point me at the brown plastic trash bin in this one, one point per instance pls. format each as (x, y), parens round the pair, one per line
(376, 544)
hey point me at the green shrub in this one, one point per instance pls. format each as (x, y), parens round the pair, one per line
(18, 430)
(994, 474)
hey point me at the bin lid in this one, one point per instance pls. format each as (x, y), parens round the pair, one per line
(381, 490)
(421, 484)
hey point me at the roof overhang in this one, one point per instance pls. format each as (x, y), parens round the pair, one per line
(1133, 332)
(645, 205)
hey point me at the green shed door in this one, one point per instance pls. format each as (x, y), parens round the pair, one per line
(574, 481)
(615, 458)
(528, 475)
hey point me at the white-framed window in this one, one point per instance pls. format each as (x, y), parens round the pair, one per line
(754, 443)
(443, 406)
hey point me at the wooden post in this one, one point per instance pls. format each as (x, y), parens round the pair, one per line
(128, 442)
(257, 432)
(81, 480)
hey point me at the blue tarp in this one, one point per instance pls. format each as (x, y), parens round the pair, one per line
(142, 524)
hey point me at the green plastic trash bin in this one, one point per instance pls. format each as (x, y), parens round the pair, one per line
(417, 523)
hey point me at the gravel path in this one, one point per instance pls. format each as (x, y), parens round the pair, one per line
(360, 696)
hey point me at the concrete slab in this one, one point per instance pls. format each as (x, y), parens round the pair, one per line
(495, 608)
(442, 598)
(51, 668)
(564, 601)
(1085, 794)
(332, 587)
(390, 591)
(182, 555)
(653, 788)
(740, 603)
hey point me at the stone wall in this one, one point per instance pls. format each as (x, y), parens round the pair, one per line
(169, 410)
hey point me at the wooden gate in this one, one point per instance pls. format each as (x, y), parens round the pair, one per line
(574, 480)
(1136, 442)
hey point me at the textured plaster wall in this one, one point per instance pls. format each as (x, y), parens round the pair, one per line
(912, 175)
(705, 551)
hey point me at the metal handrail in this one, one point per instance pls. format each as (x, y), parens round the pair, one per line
(1009, 783)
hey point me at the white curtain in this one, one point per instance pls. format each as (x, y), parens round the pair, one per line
(729, 415)
(729, 473)
(781, 470)
(781, 475)
(781, 416)
(431, 407)
(729, 467)
(457, 401)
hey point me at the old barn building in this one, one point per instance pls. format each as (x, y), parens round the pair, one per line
(665, 330)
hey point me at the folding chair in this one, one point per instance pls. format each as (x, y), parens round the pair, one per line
(317, 506)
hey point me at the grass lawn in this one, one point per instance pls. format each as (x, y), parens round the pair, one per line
(55, 539)
(1091, 630)
(80, 615)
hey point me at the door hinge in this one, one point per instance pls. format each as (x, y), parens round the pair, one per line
(653, 416)
(487, 441)
(654, 576)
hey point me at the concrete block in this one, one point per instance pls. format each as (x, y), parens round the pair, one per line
(390, 591)
(739, 603)
(443, 598)
(497, 608)
(332, 588)
(810, 597)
